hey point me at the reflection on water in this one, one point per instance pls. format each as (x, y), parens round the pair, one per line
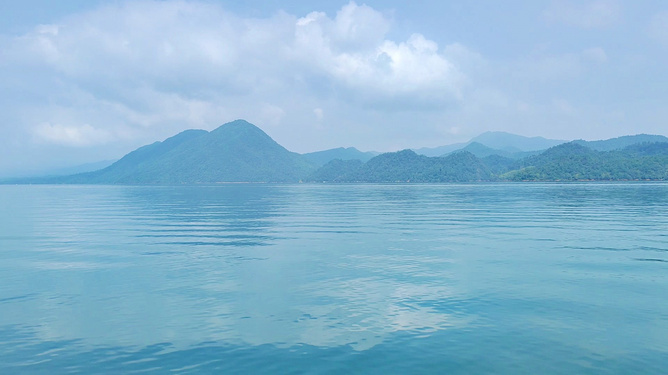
(501, 278)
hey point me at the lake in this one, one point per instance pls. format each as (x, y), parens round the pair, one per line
(332, 279)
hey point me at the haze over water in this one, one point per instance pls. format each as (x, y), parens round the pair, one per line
(457, 279)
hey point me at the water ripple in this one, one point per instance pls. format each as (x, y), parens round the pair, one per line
(390, 278)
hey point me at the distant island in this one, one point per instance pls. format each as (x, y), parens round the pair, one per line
(241, 152)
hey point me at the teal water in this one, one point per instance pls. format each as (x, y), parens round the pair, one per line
(331, 279)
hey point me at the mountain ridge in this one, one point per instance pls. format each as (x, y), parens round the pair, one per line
(622, 142)
(321, 158)
(503, 141)
(241, 152)
(234, 152)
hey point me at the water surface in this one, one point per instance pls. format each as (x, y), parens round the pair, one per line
(458, 279)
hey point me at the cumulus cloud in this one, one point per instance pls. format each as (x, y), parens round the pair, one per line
(355, 28)
(352, 50)
(588, 15)
(413, 67)
(151, 68)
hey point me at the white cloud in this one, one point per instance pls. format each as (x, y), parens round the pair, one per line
(399, 68)
(149, 68)
(198, 46)
(356, 28)
(588, 15)
(383, 69)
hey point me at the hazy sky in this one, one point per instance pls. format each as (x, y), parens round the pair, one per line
(83, 81)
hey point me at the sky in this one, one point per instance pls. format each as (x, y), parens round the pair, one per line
(84, 81)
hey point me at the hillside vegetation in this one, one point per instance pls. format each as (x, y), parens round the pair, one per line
(240, 152)
(235, 152)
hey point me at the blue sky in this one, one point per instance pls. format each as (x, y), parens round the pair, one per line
(84, 81)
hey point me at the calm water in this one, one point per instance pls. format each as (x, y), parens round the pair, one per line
(448, 279)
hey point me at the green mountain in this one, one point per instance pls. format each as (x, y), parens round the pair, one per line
(235, 152)
(240, 152)
(441, 150)
(499, 165)
(401, 166)
(514, 143)
(482, 151)
(647, 149)
(572, 161)
(406, 166)
(320, 158)
(622, 142)
(504, 144)
(336, 170)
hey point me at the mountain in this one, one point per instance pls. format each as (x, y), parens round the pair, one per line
(401, 166)
(336, 170)
(514, 143)
(621, 142)
(240, 152)
(500, 141)
(441, 150)
(572, 161)
(499, 165)
(406, 166)
(235, 152)
(482, 151)
(647, 149)
(320, 158)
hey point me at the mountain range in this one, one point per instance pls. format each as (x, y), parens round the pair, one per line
(241, 152)
(499, 141)
(320, 158)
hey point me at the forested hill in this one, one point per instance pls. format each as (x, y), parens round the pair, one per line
(622, 142)
(235, 152)
(241, 152)
(573, 161)
(567, 162)
(407, 166)
(320, 158)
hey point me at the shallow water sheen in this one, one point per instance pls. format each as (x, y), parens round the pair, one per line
(452, 279)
